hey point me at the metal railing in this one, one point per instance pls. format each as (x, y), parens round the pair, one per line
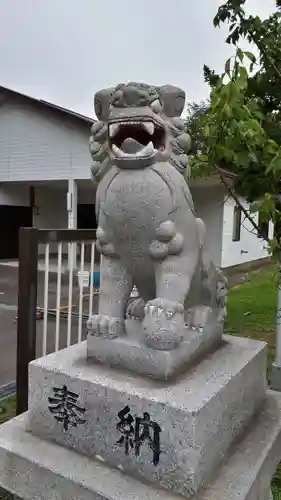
(60, 326)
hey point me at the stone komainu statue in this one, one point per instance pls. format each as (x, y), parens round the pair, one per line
(148, 233)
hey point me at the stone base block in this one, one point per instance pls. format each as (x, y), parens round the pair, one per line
(33, 468)
(132, 354)
(170, 434)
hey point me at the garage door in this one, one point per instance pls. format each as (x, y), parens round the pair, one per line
(11, 219)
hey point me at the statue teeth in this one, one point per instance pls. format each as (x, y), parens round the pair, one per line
(146, 151)
(149, 127)
(113, 129)
(118, 153)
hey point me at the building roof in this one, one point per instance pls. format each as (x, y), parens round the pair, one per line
(45, 104)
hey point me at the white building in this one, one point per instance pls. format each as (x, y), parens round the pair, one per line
(44, 155)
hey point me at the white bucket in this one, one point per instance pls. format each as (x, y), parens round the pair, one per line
(83, 279)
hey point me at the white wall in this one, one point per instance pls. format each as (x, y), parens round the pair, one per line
(250, 247)
(37, 144)
(208, 203)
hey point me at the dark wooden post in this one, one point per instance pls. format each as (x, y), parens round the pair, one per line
(27, 304)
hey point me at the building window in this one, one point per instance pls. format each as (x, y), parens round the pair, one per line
(237, 215)
(263, 228)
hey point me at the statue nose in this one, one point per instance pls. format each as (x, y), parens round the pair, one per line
(131, 96)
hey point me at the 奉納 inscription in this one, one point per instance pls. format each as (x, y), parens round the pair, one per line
(63, 405)
(138, 431)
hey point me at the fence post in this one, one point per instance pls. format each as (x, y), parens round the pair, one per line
(27, 304)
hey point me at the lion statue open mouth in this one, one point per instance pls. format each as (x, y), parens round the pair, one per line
(148, 232)
(137, 139)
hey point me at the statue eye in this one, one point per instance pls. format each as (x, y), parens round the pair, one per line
(117, 97)
(156, 106)
(97, 108)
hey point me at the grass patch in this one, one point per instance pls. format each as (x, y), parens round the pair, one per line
(276, 484)
(252, 310)
(7, 409)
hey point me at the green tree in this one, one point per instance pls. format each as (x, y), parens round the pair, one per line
(194, 125)
(240, 131)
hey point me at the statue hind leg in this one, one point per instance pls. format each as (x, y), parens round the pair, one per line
(164, 320)
(208, 290)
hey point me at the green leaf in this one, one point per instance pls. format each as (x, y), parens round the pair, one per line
(240, 55)
(206, 130)
(233, 37)
(251, 56)
(274, 248)
(275, 164)
(243, 76)
(203, 158)
(227, 66)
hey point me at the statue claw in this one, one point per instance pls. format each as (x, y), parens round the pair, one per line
(159, 311)
(163, 324)
(104, 326)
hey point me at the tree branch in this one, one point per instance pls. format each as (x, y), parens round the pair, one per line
(261, 49)
(232, 193)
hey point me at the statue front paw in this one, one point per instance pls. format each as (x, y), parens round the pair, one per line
(163, 324)
(104, 326)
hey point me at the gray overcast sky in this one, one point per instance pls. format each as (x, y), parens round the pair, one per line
(65, 50)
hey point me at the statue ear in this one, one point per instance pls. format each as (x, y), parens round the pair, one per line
(173, 99)
(102, 101)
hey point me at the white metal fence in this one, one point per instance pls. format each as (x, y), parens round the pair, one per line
(80, 292)
(57, 294)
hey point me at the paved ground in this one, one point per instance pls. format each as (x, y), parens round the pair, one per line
(8, 324)
(8, 311)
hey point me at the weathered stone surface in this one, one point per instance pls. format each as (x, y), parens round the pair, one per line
(131, 353)
(148, 232)
(199, 415)
(33, 468)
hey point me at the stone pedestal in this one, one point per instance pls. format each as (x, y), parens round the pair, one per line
(197, 417)
(96, 433)
(34, 468)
